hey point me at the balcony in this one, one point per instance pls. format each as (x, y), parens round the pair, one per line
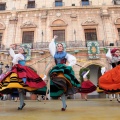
(85, 3)
(68, 44)
(58, 4)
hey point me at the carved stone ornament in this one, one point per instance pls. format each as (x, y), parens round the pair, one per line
(58, 14)
(89, 22)
(29, 24)
(104, 12)
(13, 18)
(58, 23)
(2, 27)
(43, 17)
(117, 21)
(73, 15)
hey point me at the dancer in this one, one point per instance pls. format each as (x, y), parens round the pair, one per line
(62, 79)
(42, 93)
(86, 86)
(21, 77)
(110, 80)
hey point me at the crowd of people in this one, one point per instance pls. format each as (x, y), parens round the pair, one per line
(20, 78)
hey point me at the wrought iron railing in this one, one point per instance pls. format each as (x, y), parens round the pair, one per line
(68, 44)
(2, 47)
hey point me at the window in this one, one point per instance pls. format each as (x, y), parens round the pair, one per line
(60, 34)
(116, 2)
(90, 34)
(31, 4)
(1, 34)
(119, 33)
(2, 6)
(58, 3)
(85, 2)
(28, 37)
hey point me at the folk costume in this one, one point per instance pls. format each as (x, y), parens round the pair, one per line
(62, 79)
(21, 77)
(87, 86)
(110, 80)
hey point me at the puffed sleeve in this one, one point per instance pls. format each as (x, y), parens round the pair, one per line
(52, 47)
(17, 57)
(12, 53)
(108, 54)
(71, 59)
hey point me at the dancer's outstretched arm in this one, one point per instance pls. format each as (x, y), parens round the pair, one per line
(71, 59)
(52, 46)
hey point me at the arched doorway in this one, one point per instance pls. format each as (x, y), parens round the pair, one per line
(95, 73)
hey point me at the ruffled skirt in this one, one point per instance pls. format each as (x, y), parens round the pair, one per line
(87, 87)
(62, 80)
(13, 79)
(110, 81)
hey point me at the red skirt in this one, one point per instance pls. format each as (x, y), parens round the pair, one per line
(33, 80)
(87, 87)
(110, 81)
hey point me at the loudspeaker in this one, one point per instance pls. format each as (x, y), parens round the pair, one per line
(111, 44)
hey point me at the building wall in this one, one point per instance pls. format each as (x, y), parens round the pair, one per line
(20, 4)
(101, 15)
(76, 19)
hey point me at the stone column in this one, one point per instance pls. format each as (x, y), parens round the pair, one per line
(107, 26)
(43, 26)
(12, 28)
(74, 26)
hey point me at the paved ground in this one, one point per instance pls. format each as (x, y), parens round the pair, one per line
(93, 109)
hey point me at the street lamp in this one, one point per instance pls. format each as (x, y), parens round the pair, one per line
(1, 64)
(75, 34)
(42, 35)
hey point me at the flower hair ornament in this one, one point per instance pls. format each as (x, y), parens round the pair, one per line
(85, 73)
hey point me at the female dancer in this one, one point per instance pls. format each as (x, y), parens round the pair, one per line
(21, 77)
(86, 86)
(63, 81)
(110, 80)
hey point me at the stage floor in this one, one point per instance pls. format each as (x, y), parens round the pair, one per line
(93, 109)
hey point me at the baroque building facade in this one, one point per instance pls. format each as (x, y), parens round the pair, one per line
(76, 22)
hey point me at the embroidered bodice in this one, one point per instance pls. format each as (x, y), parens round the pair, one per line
(60, 57)
(63, 57)
(22, 62)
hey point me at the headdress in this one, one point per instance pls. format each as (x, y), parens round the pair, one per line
(114, 50)
(85, 73)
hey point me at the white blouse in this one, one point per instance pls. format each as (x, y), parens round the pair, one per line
(70, 58)
(16, 57)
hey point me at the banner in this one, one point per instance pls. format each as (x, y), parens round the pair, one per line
(93, 50)
(27, 48)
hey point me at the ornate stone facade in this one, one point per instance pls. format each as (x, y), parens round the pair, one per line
(102, 15)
